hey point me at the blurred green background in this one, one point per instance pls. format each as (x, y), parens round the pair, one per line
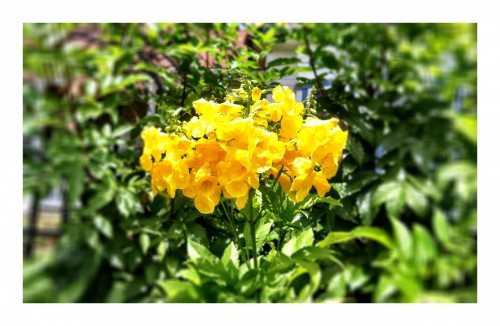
(406, 93)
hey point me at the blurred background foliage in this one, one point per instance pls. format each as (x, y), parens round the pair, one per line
(406, 227)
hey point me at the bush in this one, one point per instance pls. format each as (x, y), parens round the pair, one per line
(398, 223)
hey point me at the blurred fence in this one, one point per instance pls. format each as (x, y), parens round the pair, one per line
(38, 224)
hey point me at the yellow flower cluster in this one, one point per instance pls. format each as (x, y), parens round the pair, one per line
(225, 148)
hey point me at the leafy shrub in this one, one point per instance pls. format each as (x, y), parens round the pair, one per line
(397, 225)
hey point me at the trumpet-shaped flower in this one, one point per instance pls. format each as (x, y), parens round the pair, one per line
(224, 149)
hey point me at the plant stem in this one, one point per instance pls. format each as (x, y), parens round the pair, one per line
(311, 62)
(252, 231)
(277, 177)
(232, 227)
(254, 245)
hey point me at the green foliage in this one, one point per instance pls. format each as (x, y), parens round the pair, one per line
(399, 224)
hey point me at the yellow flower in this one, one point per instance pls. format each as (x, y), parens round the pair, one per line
(202, 107)
(268, 150)
(290, 125)
(256, 93)
(236, 176)
(205, 190)
(224, 149)
(321, 138)
(278, 94)
(146, 162)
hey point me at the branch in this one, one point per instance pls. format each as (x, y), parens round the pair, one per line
(312, 64)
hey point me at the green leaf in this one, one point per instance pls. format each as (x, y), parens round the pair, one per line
(425, 247)
(104, 226)
(282, 61)
(179, 291)
(403, 238)
(76, 180)
(280, 264)
(261, 233)
(314, 272)
(312, 199)
(151, 272)
(373, 233)
(196, 251)
(313, 253)
(335, 237)
(161, 249)
(329, 200)
(144, 242)
(361, 126)
(359, 181)
(466, 125)
(230, 254)
(416, 200)
(368, 232)
(101, 198)
(125, 201)
(289, 246)
(356, 149)
(393, 140)
(304, 239)
(190, 274)
(385, 288)
(366, 212)
(392, 193)
(464, 174)
(441, 226)
(121, 130)
(252, 207)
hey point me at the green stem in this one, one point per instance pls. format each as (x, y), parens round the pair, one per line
(277, 177)
(252, 231)
(232, 228)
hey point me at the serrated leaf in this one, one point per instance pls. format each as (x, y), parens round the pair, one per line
(304, 239)
(356, 149)
(261, 234)
(196, 251)
(230, 254)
